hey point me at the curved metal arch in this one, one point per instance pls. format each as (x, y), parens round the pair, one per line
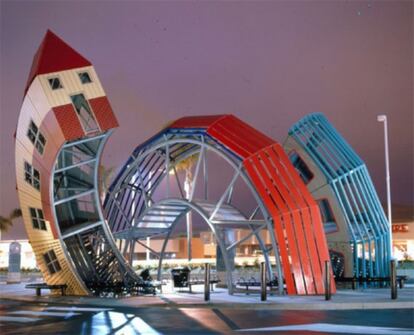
(100, 226)
(205, 216)
(234, 161)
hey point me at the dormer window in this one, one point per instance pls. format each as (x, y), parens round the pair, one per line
(55, 83)
(36, 137)
(85, 78)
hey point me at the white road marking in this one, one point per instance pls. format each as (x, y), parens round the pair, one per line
(78, 309)
(334, 328)
(17, 319)
(44, 313)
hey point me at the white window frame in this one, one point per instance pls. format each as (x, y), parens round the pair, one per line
(29, 175)
(80, 73)
(51, 78)
(53, 265)
(38, 219)
(40, 147)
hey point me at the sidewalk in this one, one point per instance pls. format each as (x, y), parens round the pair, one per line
(343, 299)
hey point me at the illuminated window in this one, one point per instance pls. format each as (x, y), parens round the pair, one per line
(51, 262)
(55, 83)
(38, 219)
(328, 219)
(85, 113)
(36, 137)
(85, 78)
(32, 176)
(305, 174)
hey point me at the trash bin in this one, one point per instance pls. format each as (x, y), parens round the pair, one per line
(180, 276)
(145, 275)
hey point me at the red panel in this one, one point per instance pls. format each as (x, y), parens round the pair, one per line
(317, 227)
(305, 212)
(54, 55)
(69, 122)
(298, 227)
(238, 136)
(289, 232)
(196, 121)
(103, 113)
(279, 230)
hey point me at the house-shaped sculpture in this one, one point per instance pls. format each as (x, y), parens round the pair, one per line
(64, 122)
(354, 221)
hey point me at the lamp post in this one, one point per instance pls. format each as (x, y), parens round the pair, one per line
(383, 119)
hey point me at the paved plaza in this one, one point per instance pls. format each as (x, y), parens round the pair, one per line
(362, 311)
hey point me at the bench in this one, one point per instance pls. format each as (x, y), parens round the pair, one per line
(201, 282)
(41, 286)
(360, 280)
(254, 283)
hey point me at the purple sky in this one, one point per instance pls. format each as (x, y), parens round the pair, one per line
(269, 63)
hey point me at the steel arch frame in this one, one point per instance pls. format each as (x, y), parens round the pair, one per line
(203, 142)
(348, 176)
(119, 268)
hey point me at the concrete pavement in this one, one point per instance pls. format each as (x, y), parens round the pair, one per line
(374, 298)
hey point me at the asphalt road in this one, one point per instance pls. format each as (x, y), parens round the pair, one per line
(40, 318)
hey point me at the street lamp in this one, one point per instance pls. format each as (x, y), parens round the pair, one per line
(383, 118)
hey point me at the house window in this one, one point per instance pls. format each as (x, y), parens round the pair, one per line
(32, 176)
(328, 218)
(36, 137)
(38, 219)
(51, 262)
(85, 78)
(55, 83)
(305, 174)
(85, 113)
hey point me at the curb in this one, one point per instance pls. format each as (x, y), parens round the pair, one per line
(122, 303)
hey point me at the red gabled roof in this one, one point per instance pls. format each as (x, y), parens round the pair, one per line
(54, 55)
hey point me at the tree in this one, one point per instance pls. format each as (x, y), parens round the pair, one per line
(7, 222)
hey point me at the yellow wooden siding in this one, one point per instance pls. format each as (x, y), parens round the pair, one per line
(43, 241)
(35, 234)
(40, 106)
(50, 150)
(71, 85)
(65, 275)
(36, 107)
(22, 185)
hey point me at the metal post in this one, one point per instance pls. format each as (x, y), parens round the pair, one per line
(393, 279)
(263, 295)
(383, 118)
(207, 283)
(148, 257)
(327, 280)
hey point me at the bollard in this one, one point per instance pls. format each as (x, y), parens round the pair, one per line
(393, 280)
(327, 280)
(263, 295)
(207, 283)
